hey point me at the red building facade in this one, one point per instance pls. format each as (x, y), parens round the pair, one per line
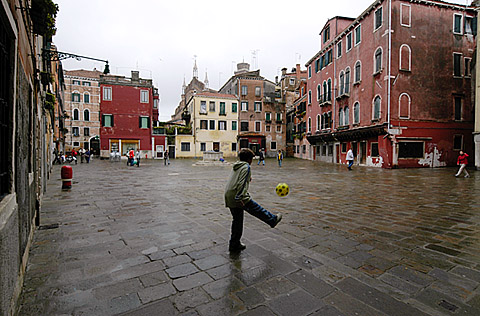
(126, 111)
(381, 86)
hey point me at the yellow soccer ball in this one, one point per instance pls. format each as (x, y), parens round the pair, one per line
(282, 189)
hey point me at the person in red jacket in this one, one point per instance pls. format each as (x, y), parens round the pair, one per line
(462, 162)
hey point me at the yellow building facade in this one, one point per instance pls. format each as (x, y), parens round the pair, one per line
(214, 119)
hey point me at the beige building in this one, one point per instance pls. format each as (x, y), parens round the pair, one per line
(82, 106)
(214, 121)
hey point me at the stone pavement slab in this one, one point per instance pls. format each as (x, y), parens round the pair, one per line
(153, 241)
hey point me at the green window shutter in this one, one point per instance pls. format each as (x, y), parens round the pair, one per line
(103, 119)
(111, 120)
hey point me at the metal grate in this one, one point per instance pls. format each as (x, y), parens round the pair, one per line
(5, 108)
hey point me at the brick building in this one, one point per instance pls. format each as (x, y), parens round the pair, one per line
(381, 86)
(293, 87)
(82, 105)
(261, 113)
(126, 111)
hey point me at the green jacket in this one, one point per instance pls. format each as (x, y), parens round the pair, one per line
(237, 186)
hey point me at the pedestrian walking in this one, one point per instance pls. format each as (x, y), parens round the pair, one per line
(74, 155)
(350, 158)
(261, 157)
(166, 159)
(131, 157)
(81, 151)
(280, 157)
(87, 155)
(462, 161)
(137, 156)
(238, 200)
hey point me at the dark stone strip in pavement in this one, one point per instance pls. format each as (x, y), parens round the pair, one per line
(163, 307)
(445, 304)
(448, 251)
(376, 299)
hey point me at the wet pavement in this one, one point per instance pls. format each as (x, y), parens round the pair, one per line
(153, 241)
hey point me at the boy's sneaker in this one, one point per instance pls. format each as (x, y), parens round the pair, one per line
(237, 247)
(278, 219)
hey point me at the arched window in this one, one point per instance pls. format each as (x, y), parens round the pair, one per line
(405, 57)
(347, 80)
(309, 124)
(86, 115)
(323, 121)
(340, 117)
(376, 107)
(309, 96)
(378, 60)
(324, 99)
(329, 89)
(86, 97)
(356, 113)
(319, 92)
(346, 113)
(341, 80)
(404, 106)
(75, 114)
(318, 122)
(358, 71)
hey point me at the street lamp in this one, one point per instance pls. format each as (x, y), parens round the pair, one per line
(53, 55)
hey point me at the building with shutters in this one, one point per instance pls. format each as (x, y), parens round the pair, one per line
(214, 125)
(261, 112)
(126, 114)
(82, 106)
(381, 86)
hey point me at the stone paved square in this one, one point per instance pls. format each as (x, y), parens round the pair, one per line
(368, 241)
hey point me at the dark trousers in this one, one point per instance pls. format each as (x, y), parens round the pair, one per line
(253, 208)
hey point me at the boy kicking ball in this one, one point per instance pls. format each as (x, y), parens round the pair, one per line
(238, 200)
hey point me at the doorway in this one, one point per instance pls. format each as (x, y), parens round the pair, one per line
(363, 153)
(355, 150)
(171, 151)
(255, 148)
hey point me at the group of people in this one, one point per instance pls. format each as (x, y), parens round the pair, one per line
(261, 157)
(462, 162)
(60, 157)
(133, 157)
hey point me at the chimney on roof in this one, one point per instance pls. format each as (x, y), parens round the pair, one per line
(284, 72)
(298, 68)
(276, 79)
(135, 75)
(242, 68)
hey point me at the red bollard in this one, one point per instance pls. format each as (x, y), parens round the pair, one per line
(67, 175)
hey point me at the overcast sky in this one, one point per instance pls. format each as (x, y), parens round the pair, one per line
(161, 38)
